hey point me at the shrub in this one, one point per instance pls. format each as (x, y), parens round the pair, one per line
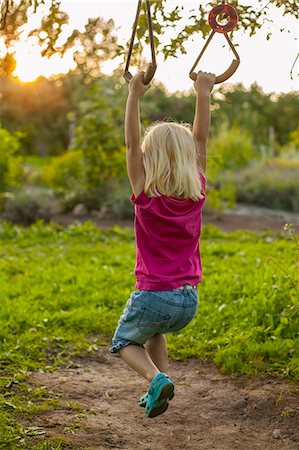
(119, 198)
(92, 199)
(65, 171)
(290, 151)
(98, 134)
(11, 171)
(34, 169)
(27, 206)
(273, 184)
(231, 148)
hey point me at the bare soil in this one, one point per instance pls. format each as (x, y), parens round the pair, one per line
(209, 411)
(254, 219)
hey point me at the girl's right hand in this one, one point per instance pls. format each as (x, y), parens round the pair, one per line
(137, 87)
(204, 82)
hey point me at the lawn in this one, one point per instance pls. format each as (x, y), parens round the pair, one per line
(62, 291)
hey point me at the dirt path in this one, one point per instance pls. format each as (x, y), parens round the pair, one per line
(209, 411)
(240, 218)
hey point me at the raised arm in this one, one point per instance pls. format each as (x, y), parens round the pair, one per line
(132, 134)
(203, 86)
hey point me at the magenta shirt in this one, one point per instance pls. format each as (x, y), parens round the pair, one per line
(167, 233)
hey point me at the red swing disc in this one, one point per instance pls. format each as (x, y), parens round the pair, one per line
(229, 11)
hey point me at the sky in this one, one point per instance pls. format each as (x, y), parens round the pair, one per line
(266, 62)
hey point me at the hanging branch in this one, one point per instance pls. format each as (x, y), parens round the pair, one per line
(4, 10)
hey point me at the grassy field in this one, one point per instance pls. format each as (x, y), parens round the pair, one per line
(62, 291)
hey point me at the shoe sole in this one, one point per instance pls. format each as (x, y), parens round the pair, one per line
(143, 403)
(167, 393)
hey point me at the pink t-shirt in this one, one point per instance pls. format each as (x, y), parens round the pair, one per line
(167, 233)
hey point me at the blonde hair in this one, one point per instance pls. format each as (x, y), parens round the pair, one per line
(170, 161)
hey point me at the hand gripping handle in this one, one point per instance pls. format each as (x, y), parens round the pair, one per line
(147, 76)
(224, 76)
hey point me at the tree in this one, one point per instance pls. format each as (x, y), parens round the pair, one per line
(284, 118)
(93, 46)
(250, 19)
(98, 135)
(253, 110)
(40, 111)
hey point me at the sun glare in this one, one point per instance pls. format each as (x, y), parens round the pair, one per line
(31, 65)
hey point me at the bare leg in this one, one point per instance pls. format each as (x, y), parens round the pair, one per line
(138, 359)
(156, 347)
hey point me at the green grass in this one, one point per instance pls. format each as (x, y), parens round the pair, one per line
(63, 290)
(37, 162)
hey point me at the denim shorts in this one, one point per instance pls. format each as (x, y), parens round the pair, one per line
(154, 312)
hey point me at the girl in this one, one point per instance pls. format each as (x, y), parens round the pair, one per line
(166, 173)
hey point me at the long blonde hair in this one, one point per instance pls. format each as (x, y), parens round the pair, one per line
(170, 157)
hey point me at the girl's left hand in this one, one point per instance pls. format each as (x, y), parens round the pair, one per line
(136, 85)
(204, 82)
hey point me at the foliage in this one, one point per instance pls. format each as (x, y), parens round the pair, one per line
(232, 148)
(284, 119)
(164, 19)
(29, 205)
(91, 199)
(91, 47)
(158, 104)
(33, 168)
(249, 109)
(290, 151)
(64, 172)
(40, 111)
(221, 190)
(229, 149)
(272, 183)
(11, 172)
(98, 136)
(118, 198)
(257, 112)
(46, 111)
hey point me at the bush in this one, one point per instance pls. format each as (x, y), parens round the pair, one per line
(64, 172)
(273, 184)
(290, 151)
(119, 198)
(11, 171)
(26, 207)
(231, 148)
(98, 134)
(92, 199)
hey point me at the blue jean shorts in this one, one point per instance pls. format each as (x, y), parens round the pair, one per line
(148, 313)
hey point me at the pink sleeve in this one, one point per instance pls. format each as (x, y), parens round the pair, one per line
(142, 199)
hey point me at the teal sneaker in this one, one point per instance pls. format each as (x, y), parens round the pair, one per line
(161, 390)
(143, 399)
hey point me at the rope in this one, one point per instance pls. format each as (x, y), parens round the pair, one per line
(152, 66)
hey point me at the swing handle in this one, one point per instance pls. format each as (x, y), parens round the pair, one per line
(147, 76)
(224, 76)
(151, 68)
